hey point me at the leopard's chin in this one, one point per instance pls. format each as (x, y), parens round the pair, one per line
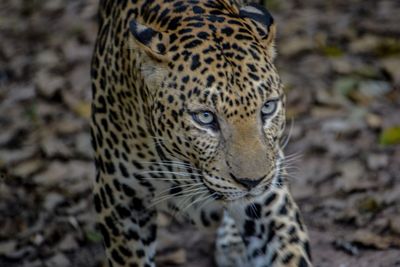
(246, 196)
(260, 190)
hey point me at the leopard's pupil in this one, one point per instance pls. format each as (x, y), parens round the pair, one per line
(206, 117)
(268, 108)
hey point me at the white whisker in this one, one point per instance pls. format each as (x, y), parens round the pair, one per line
(188, 198)
(186, 174)
(167, 179)
(177, 164)
(182, 186)
(206, 202)
(286, 141)
(196, 201)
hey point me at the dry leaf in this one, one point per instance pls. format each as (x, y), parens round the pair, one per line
(83, 109)
(369, 239)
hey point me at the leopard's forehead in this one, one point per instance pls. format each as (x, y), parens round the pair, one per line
(220, 61)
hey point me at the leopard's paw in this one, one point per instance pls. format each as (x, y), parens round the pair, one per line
(230, 249)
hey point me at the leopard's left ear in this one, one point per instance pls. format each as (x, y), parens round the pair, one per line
(148, 40)
(266, 27)
(152, 45)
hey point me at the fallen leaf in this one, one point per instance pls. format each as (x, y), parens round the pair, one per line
(392, 66)
(83, 145)
(53, 146)
(47, 59)
(68, 243)
(93, 236)
(7, 247)
(296, 46)
(59, 173)
(83, 109)
(390, 136)
(48, 84)
(346, 247)
(368, 204)
(26, 168)
(352, 172)
(332, 51)
(52, 200)
(372, 88)
(345, 85)
(388, 47)
(9, 157)
(395, 224)
(59, 260)
(365, 44)
(24, 252)
(377, 161)
(374, 121)
(369, 239)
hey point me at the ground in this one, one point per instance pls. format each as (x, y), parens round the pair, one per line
(340, 62)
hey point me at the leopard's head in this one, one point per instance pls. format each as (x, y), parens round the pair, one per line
(217, 101)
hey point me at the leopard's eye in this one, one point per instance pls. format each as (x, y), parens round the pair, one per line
(205, 118)
(269, 108)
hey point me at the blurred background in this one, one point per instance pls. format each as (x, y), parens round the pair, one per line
(340, 63)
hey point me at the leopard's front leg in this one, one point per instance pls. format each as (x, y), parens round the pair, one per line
(272, 230)
(127, 225)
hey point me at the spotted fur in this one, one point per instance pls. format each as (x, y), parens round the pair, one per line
(188, 111)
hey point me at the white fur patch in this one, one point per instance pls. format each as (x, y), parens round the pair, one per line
(140, 28)
(252, 9)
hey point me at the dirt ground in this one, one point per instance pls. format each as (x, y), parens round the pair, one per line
(340, 62)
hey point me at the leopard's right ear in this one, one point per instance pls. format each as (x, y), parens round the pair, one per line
(152, 42)
(267, 31)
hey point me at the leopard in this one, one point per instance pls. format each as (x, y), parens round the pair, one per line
(188, 117)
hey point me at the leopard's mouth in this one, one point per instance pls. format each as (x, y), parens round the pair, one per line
(229, 197)
(217, 195)
(272, 180)
(220, 192)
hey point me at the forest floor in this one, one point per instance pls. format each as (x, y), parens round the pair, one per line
(340, 63)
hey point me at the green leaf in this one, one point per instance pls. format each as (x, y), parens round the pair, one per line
(332, 51)
(389, 47)
(368, 204)
(390, 136)
(93, 236)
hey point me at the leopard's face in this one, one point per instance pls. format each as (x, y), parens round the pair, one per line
(217, 103)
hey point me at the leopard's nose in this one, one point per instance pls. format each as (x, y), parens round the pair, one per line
(248, 183)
